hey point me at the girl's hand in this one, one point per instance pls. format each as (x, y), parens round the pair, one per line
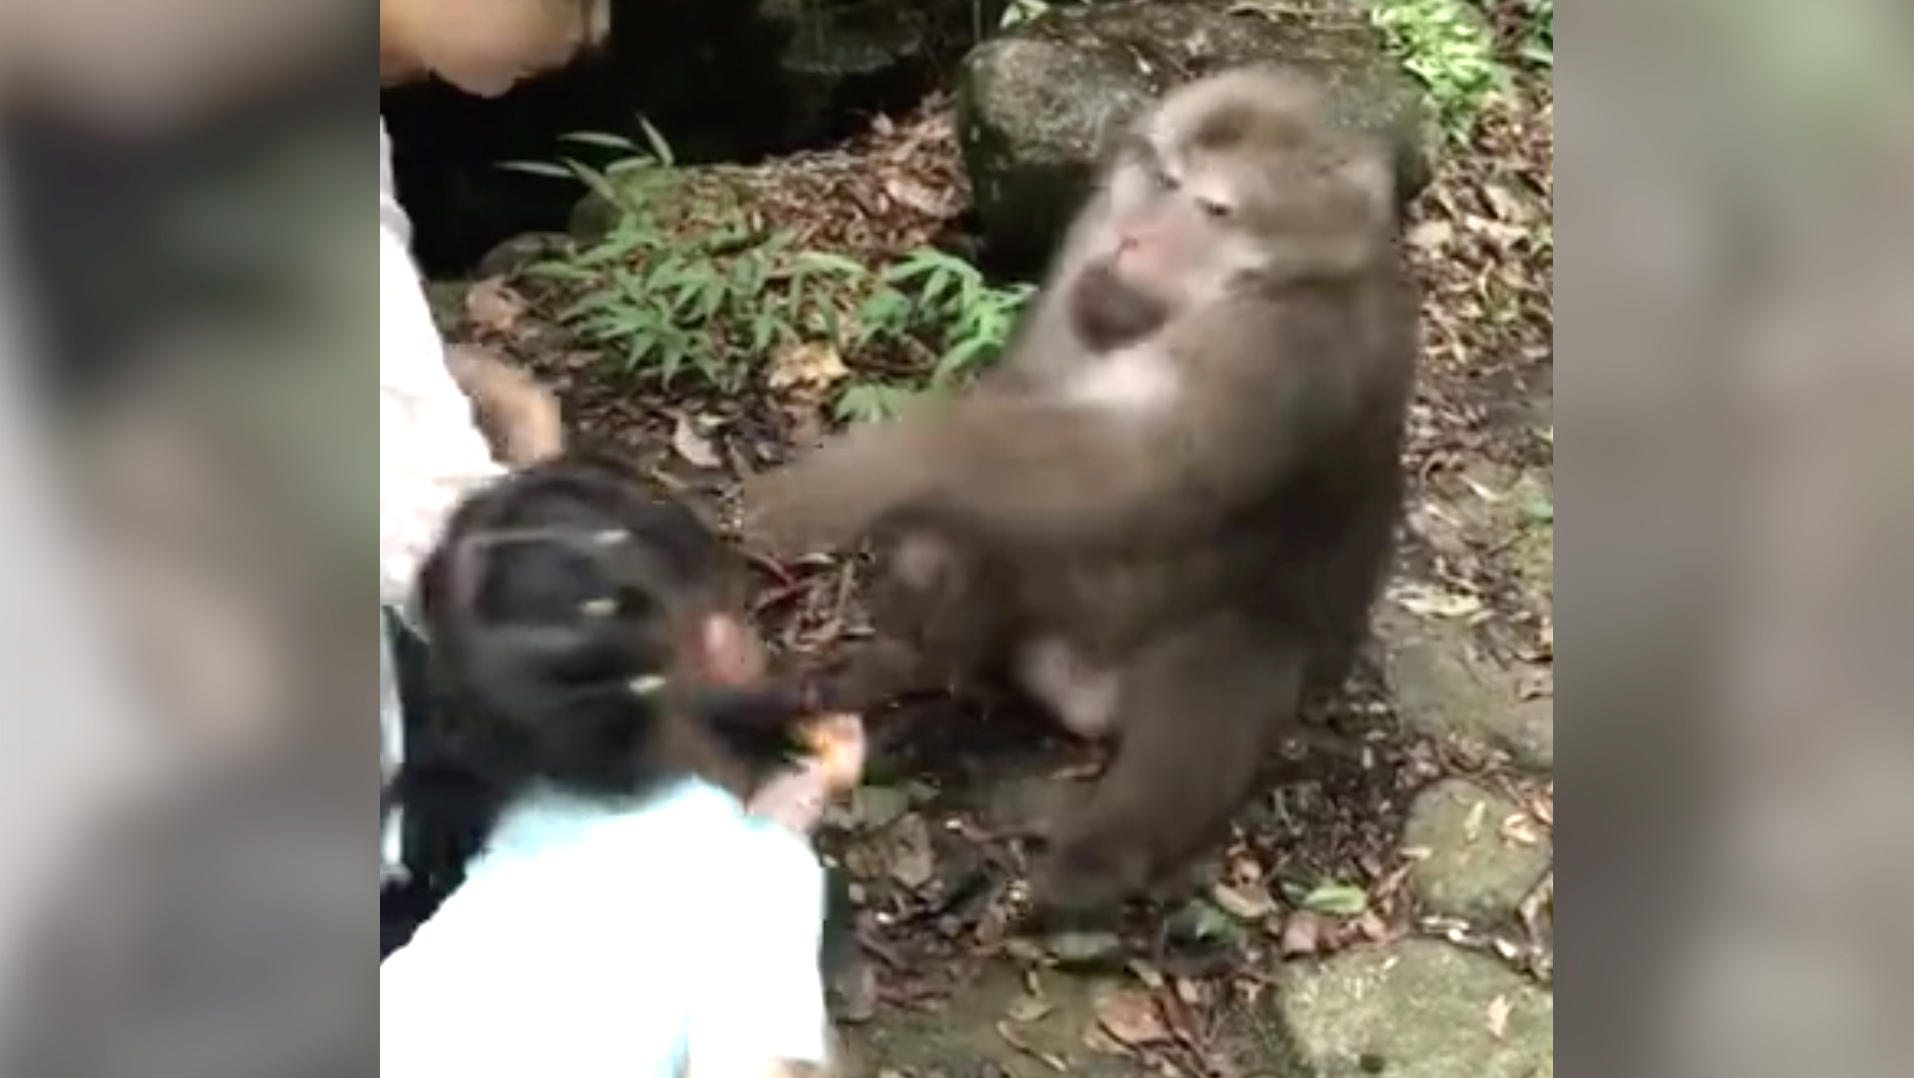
(796, 799)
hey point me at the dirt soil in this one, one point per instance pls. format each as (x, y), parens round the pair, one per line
(1353, 855)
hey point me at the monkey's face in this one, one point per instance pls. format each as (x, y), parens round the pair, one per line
(1179, 231)
(485, 47)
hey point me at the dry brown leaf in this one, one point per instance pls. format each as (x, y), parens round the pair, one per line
(1472, 825)
(809, 366)
(910, 860)
(1432, 235)
(688, 442)
(1373, 928)
(909, 193)
(1028, 1009)
(1499, 1010)
(1430, 602)
(1147, 973)
(1132, 1017)
(1015, 1040)
(1302, 934)
(1245, 902)
(492, 304)
(1522, 829)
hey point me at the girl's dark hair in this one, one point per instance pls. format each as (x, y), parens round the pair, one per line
(554, 608)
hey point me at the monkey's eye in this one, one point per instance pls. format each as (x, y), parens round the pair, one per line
(1214, 209)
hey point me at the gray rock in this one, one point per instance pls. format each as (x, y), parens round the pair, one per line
(1443, 692)
(991, 1025)
(1036, 104)
(1473, 871)
(1417, 1009)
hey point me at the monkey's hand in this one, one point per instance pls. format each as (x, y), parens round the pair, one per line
(834, 495)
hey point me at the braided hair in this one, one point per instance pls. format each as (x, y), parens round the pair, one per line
(559, 605)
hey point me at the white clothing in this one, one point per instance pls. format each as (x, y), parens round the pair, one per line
(431, 452)
(594, 938)
(430, 448)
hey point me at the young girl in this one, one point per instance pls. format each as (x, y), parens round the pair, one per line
(597, 935)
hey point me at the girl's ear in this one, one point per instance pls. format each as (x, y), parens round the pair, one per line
(728, 653)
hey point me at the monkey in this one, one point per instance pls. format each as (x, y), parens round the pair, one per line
(519, 417)
(1175, 531)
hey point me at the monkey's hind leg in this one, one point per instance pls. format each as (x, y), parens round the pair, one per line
(1197, 716)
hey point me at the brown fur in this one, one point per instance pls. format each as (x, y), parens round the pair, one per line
(1181, 535)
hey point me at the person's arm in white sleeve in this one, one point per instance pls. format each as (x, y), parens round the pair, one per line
(430, 447)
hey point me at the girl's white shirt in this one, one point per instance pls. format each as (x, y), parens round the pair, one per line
(430, 448)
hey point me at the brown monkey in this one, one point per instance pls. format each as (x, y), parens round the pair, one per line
(1180, 526)
(519, 417)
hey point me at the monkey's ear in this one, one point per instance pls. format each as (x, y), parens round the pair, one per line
(1351, 231)
(1369, 177)
(1116, 128)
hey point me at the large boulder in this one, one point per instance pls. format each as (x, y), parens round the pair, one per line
(1035, 103)
(1417, 1009)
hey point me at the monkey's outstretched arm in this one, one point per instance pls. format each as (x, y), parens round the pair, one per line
(1035, 471)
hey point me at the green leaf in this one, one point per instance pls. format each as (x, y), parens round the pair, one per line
(602, 139)
(826, 262)
(596, 182)
(592, 303)
(558, 271)
(659, 147)
(639, 348)
(1338, 900)
(763, 328)
(539, 168)
(959, 359)
(1541, 511)
(1204, 921)
(711, 297)
(917, 264)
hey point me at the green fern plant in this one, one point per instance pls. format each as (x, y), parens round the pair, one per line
(1449, 48)
(1538, 42)
(711, 301)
